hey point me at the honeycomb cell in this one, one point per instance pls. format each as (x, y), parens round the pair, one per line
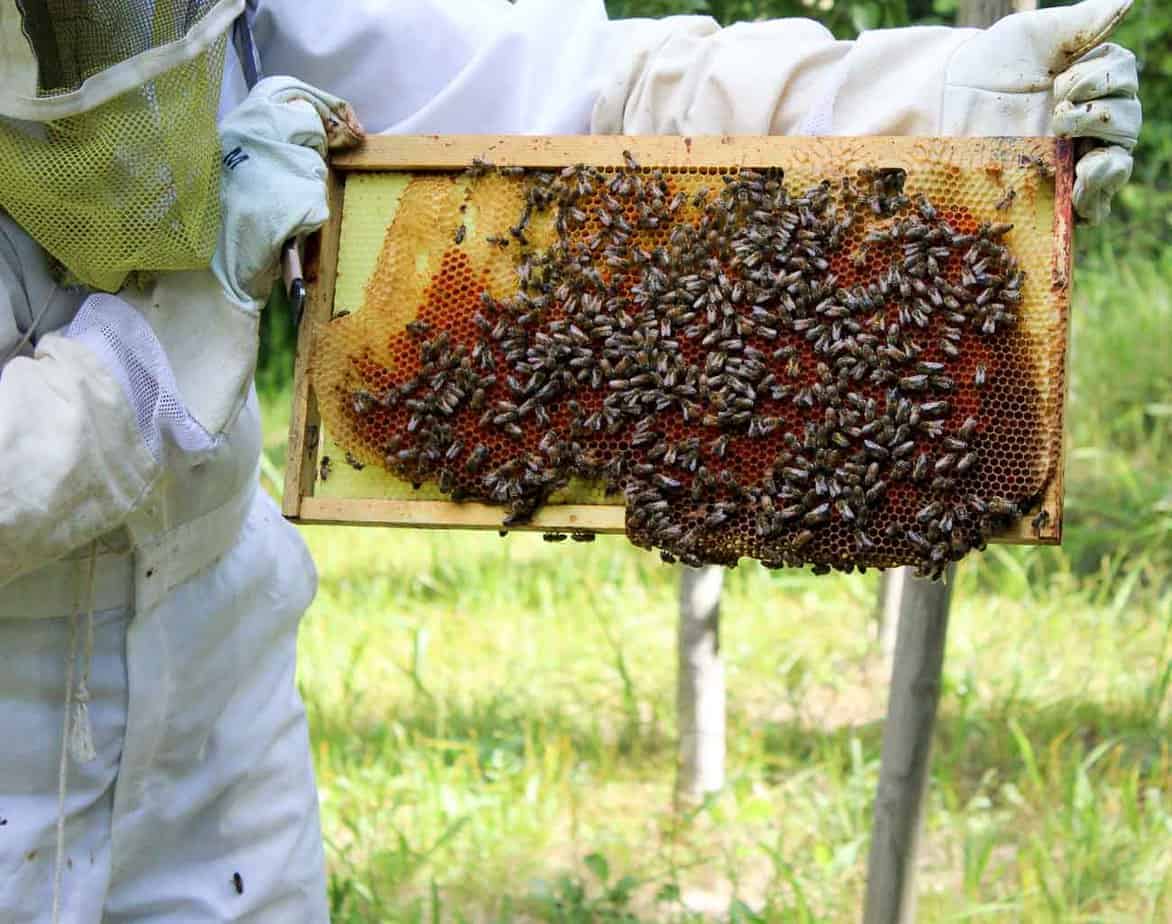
(783, 367)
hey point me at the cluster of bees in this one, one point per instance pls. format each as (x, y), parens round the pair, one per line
(695, 351)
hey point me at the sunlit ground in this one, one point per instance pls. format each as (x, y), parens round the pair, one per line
(487, 714)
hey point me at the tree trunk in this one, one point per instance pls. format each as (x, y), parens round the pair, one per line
(700, 685)
(981, 13)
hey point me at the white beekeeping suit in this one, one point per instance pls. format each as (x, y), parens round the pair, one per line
(129, 435)
(154, 763)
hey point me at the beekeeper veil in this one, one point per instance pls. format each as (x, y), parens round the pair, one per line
(109, 155)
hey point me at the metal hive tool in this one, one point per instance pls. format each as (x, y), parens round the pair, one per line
(848, 352)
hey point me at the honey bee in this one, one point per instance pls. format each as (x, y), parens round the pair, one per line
(361, 401)
(478, 168)
(966, 462)
(1000, 506)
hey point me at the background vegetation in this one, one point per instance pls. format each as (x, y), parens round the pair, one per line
(493, 719)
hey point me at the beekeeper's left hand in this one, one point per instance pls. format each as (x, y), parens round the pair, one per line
(273, 181)
(1098, 97)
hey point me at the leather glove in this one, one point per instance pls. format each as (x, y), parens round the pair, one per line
(272, 183)
(1098, 97)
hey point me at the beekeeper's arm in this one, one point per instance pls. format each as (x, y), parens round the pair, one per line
(559, 66)
(1030, 74)
(75, 462)
(90, 415)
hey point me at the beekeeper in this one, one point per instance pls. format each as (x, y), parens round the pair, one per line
(155, 758)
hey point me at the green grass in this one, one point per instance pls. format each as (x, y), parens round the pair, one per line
(493, 719)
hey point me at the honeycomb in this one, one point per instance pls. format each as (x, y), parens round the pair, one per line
(840, 368)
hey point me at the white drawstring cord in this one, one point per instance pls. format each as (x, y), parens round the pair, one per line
(81, 733)
(76, 733)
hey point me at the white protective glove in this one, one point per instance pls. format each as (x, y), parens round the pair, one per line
(1098, 97)
(273, 182)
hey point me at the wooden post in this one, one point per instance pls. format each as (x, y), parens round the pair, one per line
(700, 685)
(919, 610)
(887, 620)
(907, 743)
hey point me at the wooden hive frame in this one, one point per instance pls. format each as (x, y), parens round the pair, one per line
(451, 153)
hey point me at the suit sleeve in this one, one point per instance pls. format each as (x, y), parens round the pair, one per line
(75, 464)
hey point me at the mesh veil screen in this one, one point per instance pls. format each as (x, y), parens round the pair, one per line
(132, 184)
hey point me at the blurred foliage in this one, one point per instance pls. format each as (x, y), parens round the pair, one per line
(845, 20)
